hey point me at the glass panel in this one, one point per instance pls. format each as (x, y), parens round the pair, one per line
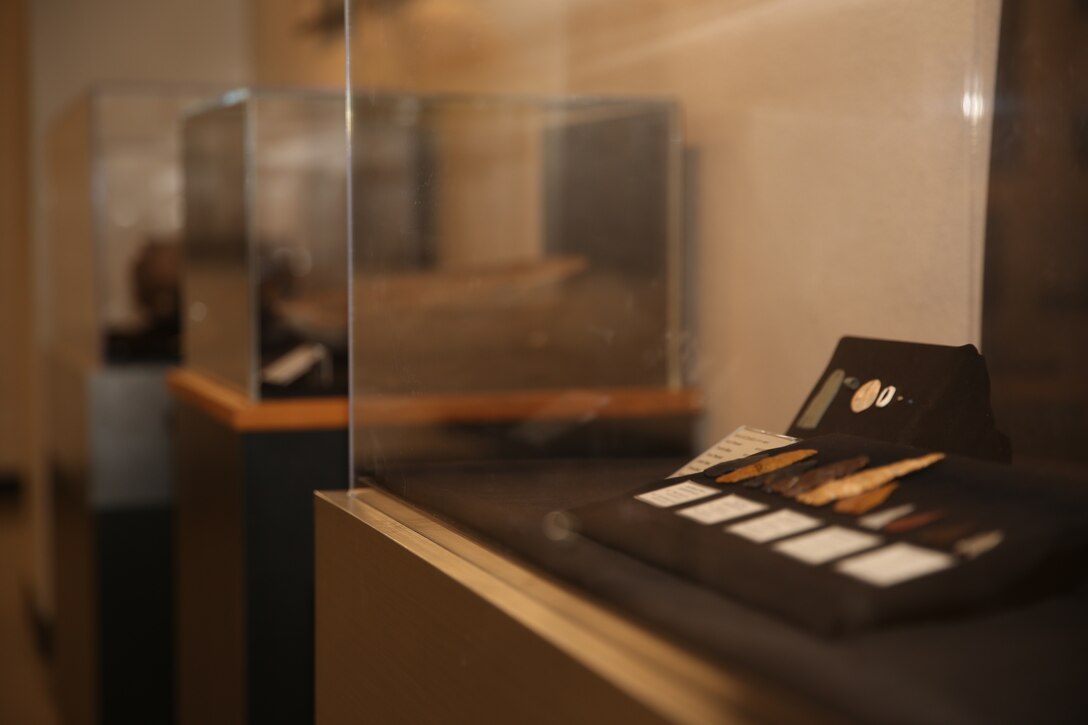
(219, 311)
(742, 182)
(114, 187)
(265, 218)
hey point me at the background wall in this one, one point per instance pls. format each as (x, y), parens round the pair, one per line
(840, 150)
(75, 44)
(296, 42)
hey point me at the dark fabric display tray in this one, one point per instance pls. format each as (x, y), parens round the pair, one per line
(931, 396)
(1040, 524)
(1023, 662)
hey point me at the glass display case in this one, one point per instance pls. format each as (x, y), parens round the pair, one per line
(646, 227)
(265, 227)
(517, 267)
(114, 218)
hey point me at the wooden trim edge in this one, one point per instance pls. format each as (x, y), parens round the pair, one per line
(238, 412)
(234, 409)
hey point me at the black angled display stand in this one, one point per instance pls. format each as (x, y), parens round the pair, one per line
(1043, 524)
(937, 397)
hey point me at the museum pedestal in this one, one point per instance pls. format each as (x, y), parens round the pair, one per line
(246, 472)
(416, 622)
(111, 494)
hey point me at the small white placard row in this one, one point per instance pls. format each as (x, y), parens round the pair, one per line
(824, 545)
(804, 537)
(721, 509)
(778, 525)
(676, 494)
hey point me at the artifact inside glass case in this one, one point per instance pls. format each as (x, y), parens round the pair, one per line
(265, 242)
(114, 217)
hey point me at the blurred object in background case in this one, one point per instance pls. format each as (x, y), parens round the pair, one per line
(517, 274)
(538, 232)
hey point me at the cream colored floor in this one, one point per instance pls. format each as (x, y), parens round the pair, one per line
(25, 697)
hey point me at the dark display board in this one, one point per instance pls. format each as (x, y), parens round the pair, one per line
(958, 536)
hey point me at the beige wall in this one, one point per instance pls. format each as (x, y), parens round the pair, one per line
(286, 52)
(839, 187)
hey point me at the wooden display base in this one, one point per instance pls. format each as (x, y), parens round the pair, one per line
(237, 412)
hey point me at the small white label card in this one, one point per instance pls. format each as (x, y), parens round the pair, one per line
(742, 442)
(827, 544)
(677, 494)
(895, 563)
(290, 367)
(882, 518)
(774, 526)
(721, 509)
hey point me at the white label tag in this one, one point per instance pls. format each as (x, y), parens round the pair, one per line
(774, 526)
(288, 368)
(882, 518)
(721, 509)
(676, 494)
(894, 564)
(742, 442)
(827, 544)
